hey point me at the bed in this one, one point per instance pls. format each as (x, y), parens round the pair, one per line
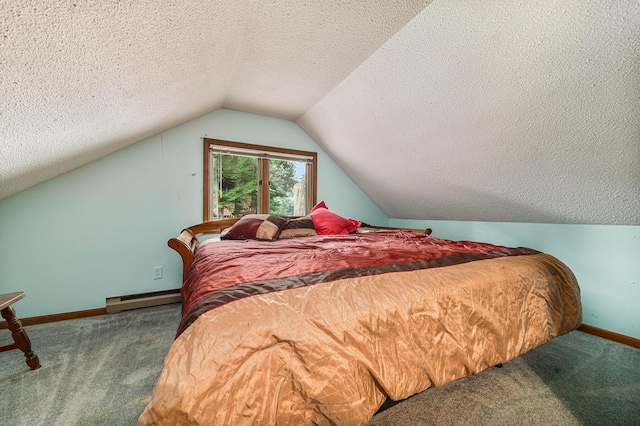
(291, 327)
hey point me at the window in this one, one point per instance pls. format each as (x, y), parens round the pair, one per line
(241, 179)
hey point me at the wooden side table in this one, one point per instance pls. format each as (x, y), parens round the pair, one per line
(19, 335)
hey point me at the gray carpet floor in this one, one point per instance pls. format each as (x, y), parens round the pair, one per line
(102, 370)
(95, 371)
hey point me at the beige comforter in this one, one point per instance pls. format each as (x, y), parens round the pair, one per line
(300, 357)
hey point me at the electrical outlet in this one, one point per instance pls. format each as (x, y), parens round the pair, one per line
(157, 272)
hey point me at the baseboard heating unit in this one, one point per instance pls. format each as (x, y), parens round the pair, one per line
(142, 300)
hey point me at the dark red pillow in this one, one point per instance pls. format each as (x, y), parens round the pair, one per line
(255, 226)
(327, 222)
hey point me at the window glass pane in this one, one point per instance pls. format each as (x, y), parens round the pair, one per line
(288, 188)
(237, 177)
(234, 190)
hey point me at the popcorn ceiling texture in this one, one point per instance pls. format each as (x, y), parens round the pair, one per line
(457, 110)
(496, 111)
(81, 79)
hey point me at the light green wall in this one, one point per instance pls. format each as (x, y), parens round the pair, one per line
(605, 260)
(98, 231)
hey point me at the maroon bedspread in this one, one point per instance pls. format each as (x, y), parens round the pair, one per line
(226, 271)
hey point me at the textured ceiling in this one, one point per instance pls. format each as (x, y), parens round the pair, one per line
(81, 79)
(460, 110)
(496, 111)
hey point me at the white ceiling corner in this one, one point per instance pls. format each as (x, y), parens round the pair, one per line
(92, 77)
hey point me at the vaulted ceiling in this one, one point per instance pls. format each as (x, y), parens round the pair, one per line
(460, 110)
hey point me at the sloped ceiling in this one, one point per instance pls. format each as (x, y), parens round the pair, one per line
(459, 110)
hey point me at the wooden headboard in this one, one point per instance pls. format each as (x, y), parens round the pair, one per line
(187, 243)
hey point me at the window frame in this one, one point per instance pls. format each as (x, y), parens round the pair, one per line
(263, 190)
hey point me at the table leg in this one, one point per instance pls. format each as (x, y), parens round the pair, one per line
(20, 336)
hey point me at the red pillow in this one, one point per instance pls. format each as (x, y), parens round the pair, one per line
(320, 205)
(327, 222)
